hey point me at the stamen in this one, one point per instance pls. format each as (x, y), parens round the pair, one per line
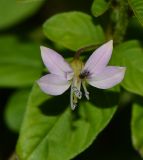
(71, 100)
(84, 74)
(85, 90)
(87, 95)
(77, 92)
(74, 106)
(73, 97)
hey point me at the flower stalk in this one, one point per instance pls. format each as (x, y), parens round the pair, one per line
(84, 49)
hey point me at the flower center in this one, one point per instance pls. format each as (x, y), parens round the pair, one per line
(78, 80)
(77, 66)
(84, 74)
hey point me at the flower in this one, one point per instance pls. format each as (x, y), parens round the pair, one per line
(95, 72)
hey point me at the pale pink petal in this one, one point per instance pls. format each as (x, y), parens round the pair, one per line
(108, 78)
(56, 63)
(53, 84)
(99, 59)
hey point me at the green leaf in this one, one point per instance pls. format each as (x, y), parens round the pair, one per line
(15, 109)
(130, 55)
(137, 7)
(99, 7)
(11, 12)
(52, 131)
(20, 63)
(28, 0)
(73, 30)
(137, 126)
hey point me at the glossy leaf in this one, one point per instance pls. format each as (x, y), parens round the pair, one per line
(20, 63)
(15, 109)
(99, 7)
(130, 55)
(51, 130)
(11, 12)
(73, 30)
(137, 7)
(137, 126)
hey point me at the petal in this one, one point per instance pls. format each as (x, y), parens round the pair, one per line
(109, 77)
(53, 84)
(100, 58)
(56, 63)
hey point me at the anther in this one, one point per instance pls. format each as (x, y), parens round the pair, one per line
(77, 93)
(84, 74)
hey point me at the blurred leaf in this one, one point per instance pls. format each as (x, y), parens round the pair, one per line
(73, 30)
(99, 7)
(137, 127)
(137, 7)
(15, 109)
(12, 12)
(130, 55)
(52, 131)
(28, 0)
(20, 63)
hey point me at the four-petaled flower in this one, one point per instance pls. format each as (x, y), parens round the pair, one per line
(95, 72)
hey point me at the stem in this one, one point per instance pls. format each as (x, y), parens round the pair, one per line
(84, 49)
(121, 22)
(120, 28)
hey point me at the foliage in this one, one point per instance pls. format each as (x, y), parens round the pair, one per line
(44, 126)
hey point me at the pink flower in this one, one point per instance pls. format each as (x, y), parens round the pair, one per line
(95, 72)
